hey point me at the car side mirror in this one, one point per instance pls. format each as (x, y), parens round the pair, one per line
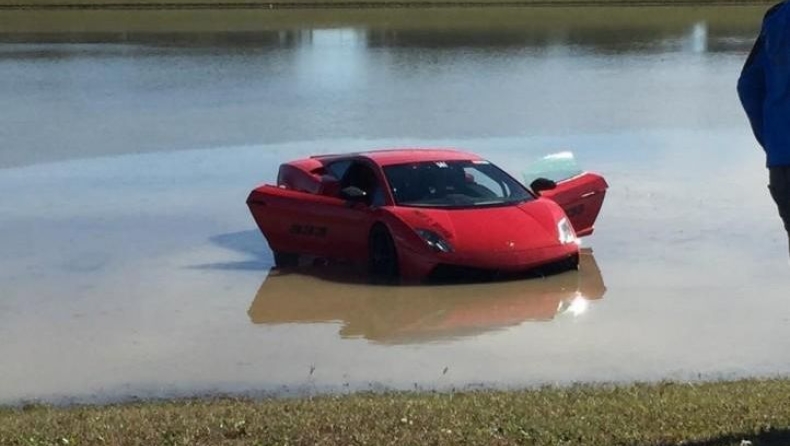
(353, 193)
(541, 184)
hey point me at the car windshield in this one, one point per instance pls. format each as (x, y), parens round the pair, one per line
(453, 184)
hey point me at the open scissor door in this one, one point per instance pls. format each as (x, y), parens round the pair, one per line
(579, 193)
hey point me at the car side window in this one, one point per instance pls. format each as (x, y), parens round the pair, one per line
(377, 197)
(338, 168)
(361, 175)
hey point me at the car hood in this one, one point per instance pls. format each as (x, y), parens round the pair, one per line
(491, 229)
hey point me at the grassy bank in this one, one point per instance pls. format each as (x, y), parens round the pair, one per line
(113, 25)
(277, 4)
(21, 20)
(658, 414)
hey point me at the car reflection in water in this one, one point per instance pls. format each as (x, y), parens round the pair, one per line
(419, 314)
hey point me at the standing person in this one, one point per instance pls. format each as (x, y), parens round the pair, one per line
(764, 91)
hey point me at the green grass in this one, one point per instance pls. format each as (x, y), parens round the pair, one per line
(107, 24)
(288, 4)
(658, 414)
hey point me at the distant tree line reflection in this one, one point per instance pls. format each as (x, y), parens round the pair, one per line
(654, 38)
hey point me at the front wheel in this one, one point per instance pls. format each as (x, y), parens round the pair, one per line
(382, 255)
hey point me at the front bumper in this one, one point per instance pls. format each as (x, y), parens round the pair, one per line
(456, 266)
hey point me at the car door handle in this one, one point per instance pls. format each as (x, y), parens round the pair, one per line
(588, 194)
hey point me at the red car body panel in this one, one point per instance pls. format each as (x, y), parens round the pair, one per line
(581, 197)
(304, 214)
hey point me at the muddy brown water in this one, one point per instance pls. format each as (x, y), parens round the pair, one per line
(130, 267)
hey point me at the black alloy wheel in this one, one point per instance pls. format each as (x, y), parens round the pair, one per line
(382, 255)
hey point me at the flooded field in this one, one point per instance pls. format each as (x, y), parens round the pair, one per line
(130, 267)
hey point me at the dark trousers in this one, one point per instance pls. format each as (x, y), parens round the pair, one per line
(779, 185)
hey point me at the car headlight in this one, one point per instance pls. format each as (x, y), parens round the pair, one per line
(434, 240)
(566, 233)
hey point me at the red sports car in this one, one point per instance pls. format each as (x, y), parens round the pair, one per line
(424, 213)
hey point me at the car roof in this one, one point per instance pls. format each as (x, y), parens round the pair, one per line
(388, 157)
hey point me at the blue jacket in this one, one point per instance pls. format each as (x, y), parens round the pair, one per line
(764, 86)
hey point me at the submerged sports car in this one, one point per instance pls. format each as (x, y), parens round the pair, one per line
(424, 213)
